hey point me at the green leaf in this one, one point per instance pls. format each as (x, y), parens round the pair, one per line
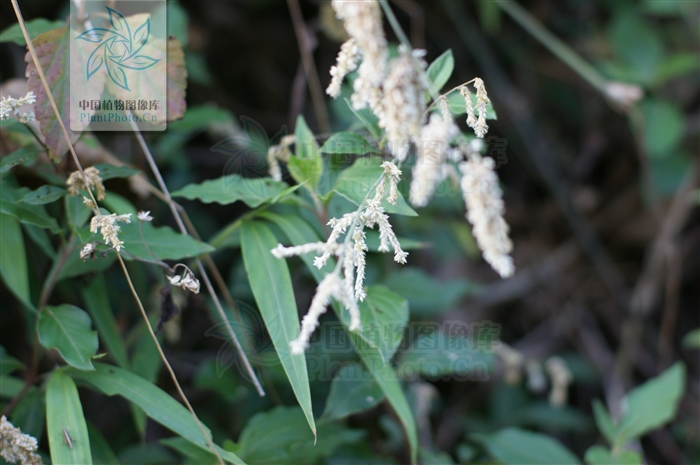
(384, 316)
(306, 170)
(232, 188)
(22, 156)
(8, 363)
(347, 142)
(108, 171)
(278, 437)
(603, 421)
(34, 28)
(165, 243)
(663, 127)
(299, 232)
(40, 237)
(186, 448)
(97, 303)
(386, 378)
(637, 45)
(44, 195)
(355, 182)
(441, 69)
(13, 259)
(369, 119)
(10, 386)
(352, 390)
(651, 405)
(68, 329)
(692, 339)
(427, 295)
(272, 287)
(29, 214)
(514, 446)
(30, 412)
(598, 455)
(436, 355)
(64, 415)
(305, 145)
(102, 453)
(154, 401)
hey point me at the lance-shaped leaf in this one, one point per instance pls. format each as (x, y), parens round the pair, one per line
(232, 188)
(352, 390)
(272, 288)
(13, 259)
(69, 330)
(65, 423)
(34, 28)
(300, 232)
(153, 400)
(44, 195)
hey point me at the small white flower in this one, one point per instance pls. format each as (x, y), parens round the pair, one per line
(485, 209)
(88, 251)
(185, 281)
(10, 106)
(108, 227)
(145, 216)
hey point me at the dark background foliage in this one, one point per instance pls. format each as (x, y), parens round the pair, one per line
(605, 226)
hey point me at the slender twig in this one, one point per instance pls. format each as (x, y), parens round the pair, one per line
(51, 279)
(555, 45)
(202, 270)
(307, 59)
(49, 95)
(36, 136)
(166, 363)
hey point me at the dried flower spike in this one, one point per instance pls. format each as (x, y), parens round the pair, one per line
(108, 227)
(403, 103)
(482, 101)
(485, 209)
(363, 22)
(432, 150)
(347, 60)
(75, 182)
(16, 446)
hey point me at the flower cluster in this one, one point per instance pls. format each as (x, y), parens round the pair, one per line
(16, 446)
(10, 106)
(349, 289)
(403, 102)
(363, 22)
(185, 281)
(485, 209)
(108, 227)
(76, 182)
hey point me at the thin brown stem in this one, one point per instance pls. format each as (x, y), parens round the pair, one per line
(49, 95)
(166, 363)
(307, 60)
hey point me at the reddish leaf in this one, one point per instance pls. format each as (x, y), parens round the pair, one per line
(57, 62)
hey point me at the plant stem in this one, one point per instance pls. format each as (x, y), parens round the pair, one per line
(202, 270)
(554, 44)
(310, 71)
(166, 363)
